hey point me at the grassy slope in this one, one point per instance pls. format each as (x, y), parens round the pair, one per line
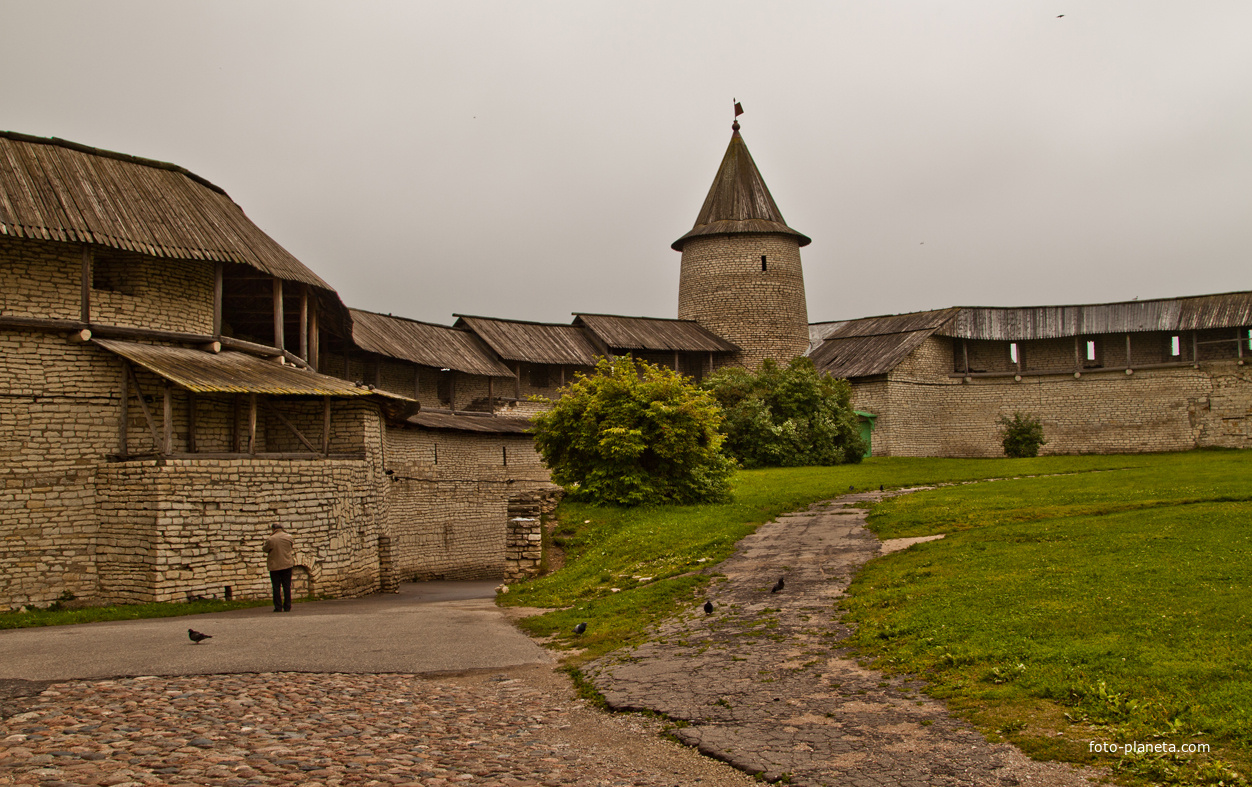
(1108, 606)
(608, 547)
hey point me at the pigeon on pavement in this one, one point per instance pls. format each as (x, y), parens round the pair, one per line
(777, 586)
(708, 607)
(197, 637)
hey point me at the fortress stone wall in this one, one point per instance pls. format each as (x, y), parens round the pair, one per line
(924, 410)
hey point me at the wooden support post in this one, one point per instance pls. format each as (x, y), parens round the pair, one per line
(1019, 357)
(965, 353)
(191, 423)
(517, 381)
(452, 391)
(675, 360)
(710, 361)
(315, 345)
(304, 322)
(562, 375)
(1195, 346)
(278, 314)
(218, 276)
(123, 420)
(252, 423)
(1239, 342)
(378, 371)
(1128, 351)
(1077, 354)
(326, 425)
(491, 398)
(234, 423)
(167, 419)
(84, 309)
(417, 383)
(143, 405)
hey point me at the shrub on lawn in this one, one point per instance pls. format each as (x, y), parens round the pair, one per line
(635, 434)
(1021, 435)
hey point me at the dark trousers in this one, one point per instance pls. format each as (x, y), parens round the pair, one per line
(281, 582)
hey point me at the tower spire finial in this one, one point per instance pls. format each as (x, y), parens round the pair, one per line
(738, 111)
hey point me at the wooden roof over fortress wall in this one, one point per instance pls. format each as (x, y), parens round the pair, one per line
(424, 343)
(53, 189)
(652, 334)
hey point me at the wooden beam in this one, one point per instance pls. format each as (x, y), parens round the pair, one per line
(191, 422)
(234, 424)
(452, 391)
(315, 345)
(143, 405)
(965, 353)
(218, 274)
(1195, 347)
(491, 407)
(84, 308)
(167, 418)
(252, 423)
(1239, 342)
(1077, 354)
(417, 382)
(1128, 351)
(304, 322)
(283, 419)
(326, 425)
(124, 416)
(517, 380)
(278, 314)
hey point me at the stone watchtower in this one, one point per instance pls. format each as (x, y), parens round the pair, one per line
(741, 276)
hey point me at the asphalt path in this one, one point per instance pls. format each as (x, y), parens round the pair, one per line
(428, 627)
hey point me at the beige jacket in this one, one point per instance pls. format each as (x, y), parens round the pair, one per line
(280, 549)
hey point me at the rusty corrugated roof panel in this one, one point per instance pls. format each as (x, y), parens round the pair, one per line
(865, 356)
(653, 334)
(533, 342)
(1227, 310)
(461, 422)
(739, 201)
(230, 372)
(52, 189)
(424, 343)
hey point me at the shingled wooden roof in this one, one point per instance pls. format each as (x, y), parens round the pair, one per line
(872, 345)
(424, 343)
(533, 342)
(739, 201)
(653, 334)
(53, 189)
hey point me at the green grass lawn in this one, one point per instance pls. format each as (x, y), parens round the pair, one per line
(1113, 607)
(58, 616)
(608, 547)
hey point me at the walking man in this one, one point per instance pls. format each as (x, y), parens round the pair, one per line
(279, 558)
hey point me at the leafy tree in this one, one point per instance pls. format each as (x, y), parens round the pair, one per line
(635, 434)
(1021, 435)
(787, 416)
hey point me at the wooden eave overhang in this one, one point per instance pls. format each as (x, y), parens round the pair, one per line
(653, 334)
(56, 190)
(426, 344)
(533, 342)
(443, 420)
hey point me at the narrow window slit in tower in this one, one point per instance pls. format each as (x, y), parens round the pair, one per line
(763, 265)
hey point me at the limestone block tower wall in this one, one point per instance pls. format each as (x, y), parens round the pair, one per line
(748, 289)
(741, 276)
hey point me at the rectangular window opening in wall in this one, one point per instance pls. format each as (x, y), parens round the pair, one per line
(1175, 346)
(1013, 352)
(443, 388)
(1090, 351)
(111, 273)
(538, 375)
(764, 266)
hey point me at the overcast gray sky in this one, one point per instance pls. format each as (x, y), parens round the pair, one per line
(529, 160)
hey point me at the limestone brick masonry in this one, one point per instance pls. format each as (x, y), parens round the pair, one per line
(925, 411)
(749, 289)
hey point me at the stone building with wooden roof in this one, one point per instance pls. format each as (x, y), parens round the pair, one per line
(165, 400)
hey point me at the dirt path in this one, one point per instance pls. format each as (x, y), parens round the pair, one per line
(765, 683)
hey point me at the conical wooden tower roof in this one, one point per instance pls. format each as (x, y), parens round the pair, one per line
(739, 201)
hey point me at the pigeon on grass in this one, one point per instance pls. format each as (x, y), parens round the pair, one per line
(580, 628)
(197, 637)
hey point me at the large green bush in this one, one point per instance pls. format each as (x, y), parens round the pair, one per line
(635, 434)
(787, 416)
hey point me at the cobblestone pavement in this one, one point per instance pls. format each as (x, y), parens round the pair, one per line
(512, 728)
(763, 683)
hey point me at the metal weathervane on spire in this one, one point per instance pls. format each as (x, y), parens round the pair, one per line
(738, 111)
